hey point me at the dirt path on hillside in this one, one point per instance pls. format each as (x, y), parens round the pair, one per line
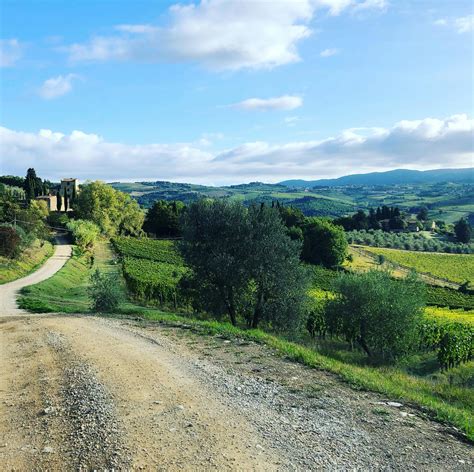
(91, 393)
(9, 291)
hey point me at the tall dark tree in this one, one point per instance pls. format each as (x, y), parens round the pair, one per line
(66, 201)
(463, 231)
(59, 201)
(30, 184)
(324, 243)
(422, 214)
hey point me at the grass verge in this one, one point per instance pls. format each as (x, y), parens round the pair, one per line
(27, 262)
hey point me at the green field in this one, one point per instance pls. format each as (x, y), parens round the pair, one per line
(452, 267)
(28, 261)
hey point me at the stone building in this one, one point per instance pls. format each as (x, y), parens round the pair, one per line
(68, 187)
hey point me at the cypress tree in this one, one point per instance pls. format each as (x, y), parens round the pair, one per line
(59, 201)
(30, 184)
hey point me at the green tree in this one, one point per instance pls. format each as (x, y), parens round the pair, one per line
(277, 277)
(376, 312)
(324, 243)
(243, 263)
(30, 184)
(113, 211)
(163, 218)
(463, 231)
(216, 237)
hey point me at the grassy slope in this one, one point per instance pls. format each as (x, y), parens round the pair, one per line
(26, 263)
(66, 292)
(452, 267)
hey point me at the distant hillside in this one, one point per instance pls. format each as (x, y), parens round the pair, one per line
(392, 177)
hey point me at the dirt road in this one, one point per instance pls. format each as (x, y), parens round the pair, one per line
(83, 393)
(9, 291)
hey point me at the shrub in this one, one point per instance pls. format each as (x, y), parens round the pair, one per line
(104, 291)
(10, 241)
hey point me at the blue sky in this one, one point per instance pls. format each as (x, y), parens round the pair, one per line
(234, 91)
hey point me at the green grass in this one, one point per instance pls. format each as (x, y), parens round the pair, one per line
(66, 291)
(27, 262)
(453, 267)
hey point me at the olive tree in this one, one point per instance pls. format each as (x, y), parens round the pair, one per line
(377, 312)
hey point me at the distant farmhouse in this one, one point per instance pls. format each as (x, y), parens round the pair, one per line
(66, 194)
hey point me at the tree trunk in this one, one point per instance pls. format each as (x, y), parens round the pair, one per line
(363, 345)
(257, 313)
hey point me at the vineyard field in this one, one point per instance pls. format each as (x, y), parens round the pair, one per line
(445, 314)
(153, 249)
(453, 267)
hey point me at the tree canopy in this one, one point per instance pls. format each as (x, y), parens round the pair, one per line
(243, 263)
(324, 242)
(113, 211)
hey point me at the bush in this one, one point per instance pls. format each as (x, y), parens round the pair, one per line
(10, 241)
(378, 313)
(104, 291)
(85, 233)
(453, 340)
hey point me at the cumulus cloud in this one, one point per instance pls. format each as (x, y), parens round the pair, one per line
(329, 52)
(220, 34)
(285, 102)
(56, 86)
(463, 24)
(416, 144)
(11, 51)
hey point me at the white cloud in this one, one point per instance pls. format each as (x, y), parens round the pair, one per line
(11, 51)
(329, 52)
(57, 86)
(463, 24)
(416, 144)
(285, 102)
(220, 34)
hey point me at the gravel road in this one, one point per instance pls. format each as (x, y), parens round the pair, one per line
(89, 393)
(9, 291)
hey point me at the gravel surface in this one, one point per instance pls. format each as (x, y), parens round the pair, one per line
(89, 412)
(86, 392)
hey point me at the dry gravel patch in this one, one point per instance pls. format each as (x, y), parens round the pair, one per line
(81, 392)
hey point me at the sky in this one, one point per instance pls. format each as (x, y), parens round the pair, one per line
(231, 91)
